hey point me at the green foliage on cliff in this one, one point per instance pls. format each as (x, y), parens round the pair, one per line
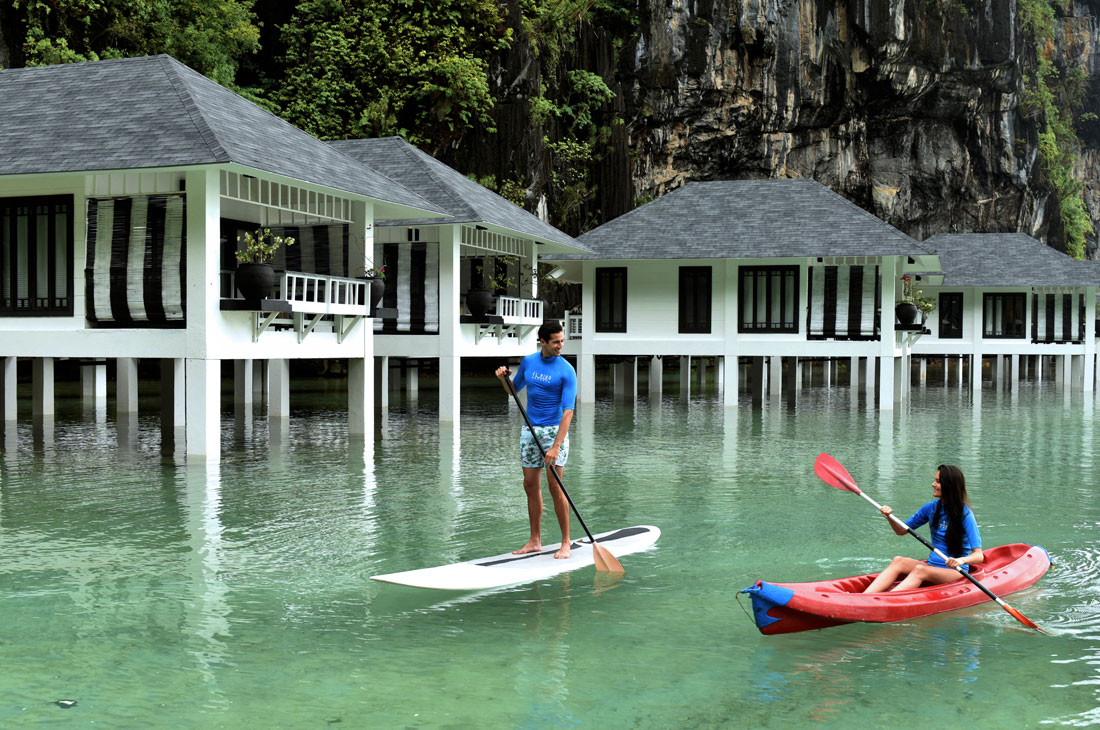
(364, 68)
(1053, 99)
(207, 35)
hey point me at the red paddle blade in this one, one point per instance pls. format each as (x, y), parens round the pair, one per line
(1022, 618)
(830, 471)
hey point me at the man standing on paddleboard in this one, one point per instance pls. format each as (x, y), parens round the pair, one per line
(551, 384)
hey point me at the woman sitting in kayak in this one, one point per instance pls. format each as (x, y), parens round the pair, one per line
(954, 532)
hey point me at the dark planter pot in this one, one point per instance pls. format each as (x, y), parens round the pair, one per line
(479, 301)
(377, 289)
(255, 281)
(906, 312)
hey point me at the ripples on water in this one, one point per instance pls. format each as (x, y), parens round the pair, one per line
(164, 594)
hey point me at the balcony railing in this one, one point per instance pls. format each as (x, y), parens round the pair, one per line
(519, 311)
(312, 293)
(303, 302)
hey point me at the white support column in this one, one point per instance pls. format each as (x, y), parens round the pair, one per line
(586, 375)
(10, 390)
(775, 375)
(43, 401)
(93, 383)
(361, 396)
(243, 386)
(870, 375)
(975, 372)
(243, 372)
(656, 375)
(126, 385)
(279, 399)
(732, 380)
(1014, 374)
(720, 374)
(1063, 371)
(173, 392)
(450, 388)
(799, 378)
(1077, 370)
(412, 379)
(203, 387)
(259, 380)
(923, 380)
(382, 382)
(630, 373)
(450, 332)
(685, 376)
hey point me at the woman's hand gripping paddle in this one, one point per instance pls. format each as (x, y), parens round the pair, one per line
(831, 472)
(605, 561)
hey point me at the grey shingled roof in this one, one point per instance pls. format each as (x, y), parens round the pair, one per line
(1007, 259)
(748, 219)
(464, 199)
(138, 113)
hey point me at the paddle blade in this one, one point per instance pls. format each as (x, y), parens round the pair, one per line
(830, 471)
(1022, 618)
(605, 561)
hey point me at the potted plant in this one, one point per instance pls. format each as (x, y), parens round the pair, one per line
(493, 279)
(376, 275)
(912, 303)
(255, 272)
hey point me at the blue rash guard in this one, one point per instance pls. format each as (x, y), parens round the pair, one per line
(972, 539)
(551, 387)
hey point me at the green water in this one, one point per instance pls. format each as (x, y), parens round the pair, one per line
(160, 594)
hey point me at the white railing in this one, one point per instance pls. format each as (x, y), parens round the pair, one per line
(312, 293)
(519, 311)
(572, 325)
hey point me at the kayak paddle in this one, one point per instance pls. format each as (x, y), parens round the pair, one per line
(605, 561)
(831, 472)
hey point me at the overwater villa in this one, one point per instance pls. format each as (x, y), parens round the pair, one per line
(1027, 310)
(487, 245)
(757, 275)
(125, 187)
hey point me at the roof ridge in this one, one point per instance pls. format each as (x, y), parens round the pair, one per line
(409, 150)
(209, 136)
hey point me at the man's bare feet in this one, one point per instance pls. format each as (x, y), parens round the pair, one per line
(563, 551)
(530, 547)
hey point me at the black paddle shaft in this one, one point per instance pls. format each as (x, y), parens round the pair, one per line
(964, 573)
(553, 470)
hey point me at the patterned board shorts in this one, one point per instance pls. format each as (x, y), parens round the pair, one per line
(529, 451)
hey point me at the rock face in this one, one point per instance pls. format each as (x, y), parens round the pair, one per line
(909, 108)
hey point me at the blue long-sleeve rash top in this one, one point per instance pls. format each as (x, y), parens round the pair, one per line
(551, 387)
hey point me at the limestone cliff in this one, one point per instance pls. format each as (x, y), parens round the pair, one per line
(913, 109)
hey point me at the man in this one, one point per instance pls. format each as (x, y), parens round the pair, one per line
(551, 384)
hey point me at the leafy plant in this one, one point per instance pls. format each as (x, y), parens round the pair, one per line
(260, 246)
(500, 273)
(375, 272)
(912, 293)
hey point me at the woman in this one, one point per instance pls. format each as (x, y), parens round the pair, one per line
(954, 532)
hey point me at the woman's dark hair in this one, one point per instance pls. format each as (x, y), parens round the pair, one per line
(953, 499)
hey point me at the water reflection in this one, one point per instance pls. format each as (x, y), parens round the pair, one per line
(208, 611)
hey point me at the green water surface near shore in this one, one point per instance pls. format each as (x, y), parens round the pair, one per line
(158, 593)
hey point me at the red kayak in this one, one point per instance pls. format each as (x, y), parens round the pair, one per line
(783, 608)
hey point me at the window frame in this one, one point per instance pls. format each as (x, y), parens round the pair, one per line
(788, 275)
(990, 299)
(696, 291)
(9, 257)
(943, 309)
(605, 320)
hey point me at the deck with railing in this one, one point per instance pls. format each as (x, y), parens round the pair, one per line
(304, 303)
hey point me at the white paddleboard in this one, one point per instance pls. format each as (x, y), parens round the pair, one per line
(508, 569)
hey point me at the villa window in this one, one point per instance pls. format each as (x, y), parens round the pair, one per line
(611, 299)
(951, 316)
(36, 256)
(1003, 316)
(695, 299)
(768, 299)
(1057, 316)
